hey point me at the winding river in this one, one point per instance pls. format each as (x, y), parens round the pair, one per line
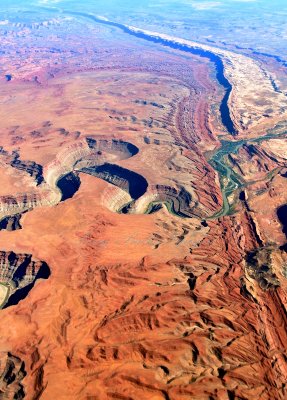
(229, 180)
(216, 60)
(231, 183)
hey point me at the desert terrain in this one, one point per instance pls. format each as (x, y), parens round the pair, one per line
(142, 243)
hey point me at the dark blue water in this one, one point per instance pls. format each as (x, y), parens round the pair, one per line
(282, 216)
(11, 223)
(135, 184)
(69, 184)
(224, 109)
(43, 273)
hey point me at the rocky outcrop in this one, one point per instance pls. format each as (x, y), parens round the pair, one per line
(178, 201)
(94, 156)
(66, 161)
(11, 223)
(33, 169)
(116, 199)
(259, 266)
(133, 183)
(12, 205)
(123, 149)
(12, 372)
(86, 154)
(18, 273)
(60, 181)
(30, 167)
(252, 162)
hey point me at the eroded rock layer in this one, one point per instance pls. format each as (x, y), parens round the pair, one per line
(18, 274)
(12, 372)
(181, 294)
(91, 156)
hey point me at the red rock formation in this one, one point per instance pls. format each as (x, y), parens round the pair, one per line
(12, 373)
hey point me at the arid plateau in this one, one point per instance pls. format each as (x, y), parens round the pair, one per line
(143, 215)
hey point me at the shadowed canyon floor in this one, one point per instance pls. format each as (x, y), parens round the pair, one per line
(143, 247)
